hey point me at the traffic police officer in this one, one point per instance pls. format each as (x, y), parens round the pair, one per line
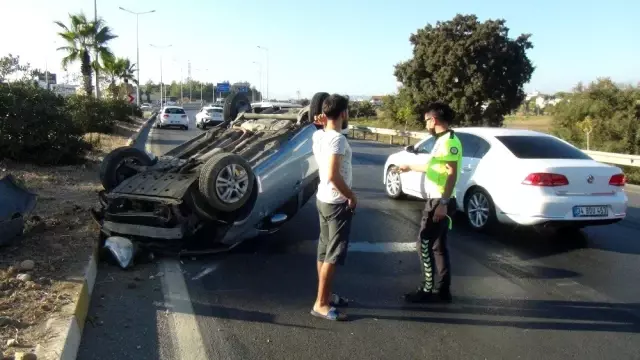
(441, 174)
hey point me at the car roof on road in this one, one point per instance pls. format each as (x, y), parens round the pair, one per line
(173, 107)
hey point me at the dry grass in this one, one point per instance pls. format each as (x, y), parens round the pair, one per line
(541, 123)
(59, 237)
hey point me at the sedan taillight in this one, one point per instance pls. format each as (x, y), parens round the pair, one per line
(183, 116)
(166, 116)
(546, 179)
(618, 180)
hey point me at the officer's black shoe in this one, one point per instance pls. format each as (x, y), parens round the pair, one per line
(445, 296)
(428, 297)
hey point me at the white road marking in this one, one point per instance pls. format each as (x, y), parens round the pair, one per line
(184, 326)
(382, 247)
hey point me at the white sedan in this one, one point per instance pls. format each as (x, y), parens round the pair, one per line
(520, 177)
(172, 116)
(209, 116)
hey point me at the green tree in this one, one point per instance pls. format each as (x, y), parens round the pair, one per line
(149, 87)
(83, 37)
(359, 109)
(612, 112)
(119, 69)
(10, 65)
(468, 64)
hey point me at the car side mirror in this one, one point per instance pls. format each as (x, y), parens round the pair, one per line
(410, 149)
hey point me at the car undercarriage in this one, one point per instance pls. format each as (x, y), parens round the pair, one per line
(247, 176)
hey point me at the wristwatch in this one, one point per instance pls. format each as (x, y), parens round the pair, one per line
(444, 201)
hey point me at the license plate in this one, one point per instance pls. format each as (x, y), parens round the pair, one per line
(590, 211)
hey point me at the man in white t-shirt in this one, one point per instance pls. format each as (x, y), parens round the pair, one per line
(336, 202)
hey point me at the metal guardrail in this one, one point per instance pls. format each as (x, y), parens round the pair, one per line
(604, 157)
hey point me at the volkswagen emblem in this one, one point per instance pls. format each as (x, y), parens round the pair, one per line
(590, 179)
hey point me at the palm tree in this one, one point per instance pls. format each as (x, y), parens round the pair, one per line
(83, 37)
(119, 69)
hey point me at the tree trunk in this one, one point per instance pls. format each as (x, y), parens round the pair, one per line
(85, 68)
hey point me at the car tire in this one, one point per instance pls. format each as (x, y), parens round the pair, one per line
(186, 128)
(235, 104)
(389, 188)
(315, 106)
(219, 167)
(112, 172)
(477, 200)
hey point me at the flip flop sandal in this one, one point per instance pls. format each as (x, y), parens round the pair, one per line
(338, 301)
(333, 315)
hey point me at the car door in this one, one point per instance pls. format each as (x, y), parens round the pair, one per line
(470, 144)
(412, 181)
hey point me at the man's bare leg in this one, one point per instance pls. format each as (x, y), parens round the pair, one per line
(319, 267)
(324, 288)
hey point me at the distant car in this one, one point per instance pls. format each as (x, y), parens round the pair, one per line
(146, 107)
(247, 177)
(172, 116)
(209, 116)
(520, 177)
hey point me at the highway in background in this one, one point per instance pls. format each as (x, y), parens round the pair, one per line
(518, 295)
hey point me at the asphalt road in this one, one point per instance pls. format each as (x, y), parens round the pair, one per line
(518, 295)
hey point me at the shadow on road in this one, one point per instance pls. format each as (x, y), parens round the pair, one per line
(548, 315)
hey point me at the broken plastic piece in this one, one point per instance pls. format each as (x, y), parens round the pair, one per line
(122, 250)
(15, 203)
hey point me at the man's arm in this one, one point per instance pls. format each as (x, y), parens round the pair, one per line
(337, 149)
(452, 176)
(336, 178)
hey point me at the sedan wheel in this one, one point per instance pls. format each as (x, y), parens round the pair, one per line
(480, 210)
(393, 184)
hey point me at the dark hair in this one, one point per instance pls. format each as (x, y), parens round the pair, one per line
(334, 105)
(441, 111)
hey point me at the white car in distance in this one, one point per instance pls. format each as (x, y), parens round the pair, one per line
(209, 116)
(521, 177)
(172, 116)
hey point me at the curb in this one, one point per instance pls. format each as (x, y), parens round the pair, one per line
(65, 332)
(134, 137)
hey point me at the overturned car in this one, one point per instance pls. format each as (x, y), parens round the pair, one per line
(247, 176)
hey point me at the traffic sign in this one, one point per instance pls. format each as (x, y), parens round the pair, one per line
(223, 87)
(131, 98)
(243, 89)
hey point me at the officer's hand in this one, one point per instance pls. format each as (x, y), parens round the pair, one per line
(440, 213)
(404, 168)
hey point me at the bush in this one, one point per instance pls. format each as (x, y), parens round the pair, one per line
(90, 114)
(100, 116)
(36, 127)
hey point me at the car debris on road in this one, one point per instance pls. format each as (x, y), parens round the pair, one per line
(16, 202)
(246, 177)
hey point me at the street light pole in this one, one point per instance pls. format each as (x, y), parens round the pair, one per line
(201, 84)
(137, 14)
(161, 83)
(267, 52)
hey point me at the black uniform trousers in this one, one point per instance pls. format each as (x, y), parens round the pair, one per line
(432, 247)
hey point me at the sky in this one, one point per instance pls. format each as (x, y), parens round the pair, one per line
(343, 46)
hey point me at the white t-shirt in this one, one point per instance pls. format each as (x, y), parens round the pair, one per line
(325, 144)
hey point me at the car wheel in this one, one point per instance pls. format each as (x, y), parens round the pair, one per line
(315, 106)
(479, 210)
(119, 164)
(226, 181)
(393, 185)
(235, 104)
(185, 128)
(203, 126)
